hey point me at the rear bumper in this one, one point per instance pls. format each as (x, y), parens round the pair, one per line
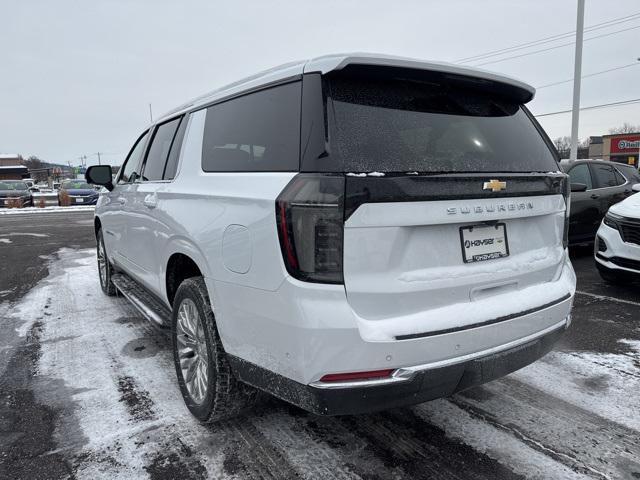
(304, 331)
(410, 385)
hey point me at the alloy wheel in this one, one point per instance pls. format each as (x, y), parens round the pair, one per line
(192, 350)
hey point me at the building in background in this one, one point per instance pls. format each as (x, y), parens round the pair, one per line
(619, 147)
(12, 167)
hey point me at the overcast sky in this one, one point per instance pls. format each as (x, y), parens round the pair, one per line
(77, 76)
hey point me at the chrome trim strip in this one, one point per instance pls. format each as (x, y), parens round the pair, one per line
(403, 374)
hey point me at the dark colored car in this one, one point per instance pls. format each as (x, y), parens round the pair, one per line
(595, 186)
(14, 189)
(80, 192)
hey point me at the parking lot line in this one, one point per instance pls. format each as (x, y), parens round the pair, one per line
(605, 297)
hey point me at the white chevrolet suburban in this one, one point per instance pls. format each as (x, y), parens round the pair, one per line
(349, 233)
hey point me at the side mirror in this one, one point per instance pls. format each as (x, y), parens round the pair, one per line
(636, 187)
(578, 187)
(99, 175)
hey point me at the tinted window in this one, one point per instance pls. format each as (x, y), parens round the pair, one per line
(629, 172)
(132, 162)
(604, 176)
(174, 154)
(580, 174)
(255, 132)
(402, 126)
(159, 150)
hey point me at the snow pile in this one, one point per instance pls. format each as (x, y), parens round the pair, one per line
(20, 211)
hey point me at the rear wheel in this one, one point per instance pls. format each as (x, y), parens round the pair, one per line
(206, 381)
(105, 270)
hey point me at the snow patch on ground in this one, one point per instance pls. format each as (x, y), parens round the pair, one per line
(18, 234)
(20, 211)
(565, 375)
(494, 442)
(83, 345)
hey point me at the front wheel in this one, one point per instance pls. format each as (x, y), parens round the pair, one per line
(105, 270)
(206, 381)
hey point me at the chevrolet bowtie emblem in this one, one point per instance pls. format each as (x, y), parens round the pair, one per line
(494, 185)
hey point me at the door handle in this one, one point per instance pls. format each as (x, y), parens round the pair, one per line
(594, 196)
(150, 201)
(121, 200)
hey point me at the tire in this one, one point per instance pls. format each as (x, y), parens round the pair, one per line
(611, 276)
(212, 393)
(107, 286)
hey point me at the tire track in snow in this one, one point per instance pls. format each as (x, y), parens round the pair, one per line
(401, 439)
(573, 436)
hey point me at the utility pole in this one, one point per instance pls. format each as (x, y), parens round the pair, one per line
(98, 154)
(577, 73)
(150, 114)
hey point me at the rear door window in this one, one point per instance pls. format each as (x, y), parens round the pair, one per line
(400, 125)
(604, 176)
(254, 133)
(159, 150)
(580, 174)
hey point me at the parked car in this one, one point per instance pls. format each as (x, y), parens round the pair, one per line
(12, 191)
(45, 197)
(595, 186)
(80, 193)
(349, 234)
(617, 245)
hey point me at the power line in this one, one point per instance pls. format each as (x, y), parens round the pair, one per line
(556, 47)
(590, 75)
(593, 107)
(552, 38)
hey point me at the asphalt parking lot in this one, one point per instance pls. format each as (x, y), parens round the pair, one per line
(88, 390)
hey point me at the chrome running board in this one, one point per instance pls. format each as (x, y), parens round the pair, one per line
(146, 303)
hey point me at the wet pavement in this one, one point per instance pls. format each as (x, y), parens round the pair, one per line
(88, 390)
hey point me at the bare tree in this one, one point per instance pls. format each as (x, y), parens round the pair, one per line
(37, 168)
(563, 145)
(625, 128)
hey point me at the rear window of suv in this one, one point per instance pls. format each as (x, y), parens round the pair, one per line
(256, 132)
(400, 125)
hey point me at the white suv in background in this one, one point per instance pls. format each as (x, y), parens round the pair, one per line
(617, 246)
(349, 233)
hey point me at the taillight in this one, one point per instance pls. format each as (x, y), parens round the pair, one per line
(567, 201)
(310, 218)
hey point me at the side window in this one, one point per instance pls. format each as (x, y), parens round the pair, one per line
(580, 174)
(630, 173)
(159, 150)
(132, 163)
(254, 133)
(603, 176)
(619, 178)
(174, 154)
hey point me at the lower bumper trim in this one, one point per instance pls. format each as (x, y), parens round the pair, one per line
(424, 384)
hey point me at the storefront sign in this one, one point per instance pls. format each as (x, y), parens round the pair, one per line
(625, 144)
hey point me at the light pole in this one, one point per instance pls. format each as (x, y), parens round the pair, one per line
(577, 73)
